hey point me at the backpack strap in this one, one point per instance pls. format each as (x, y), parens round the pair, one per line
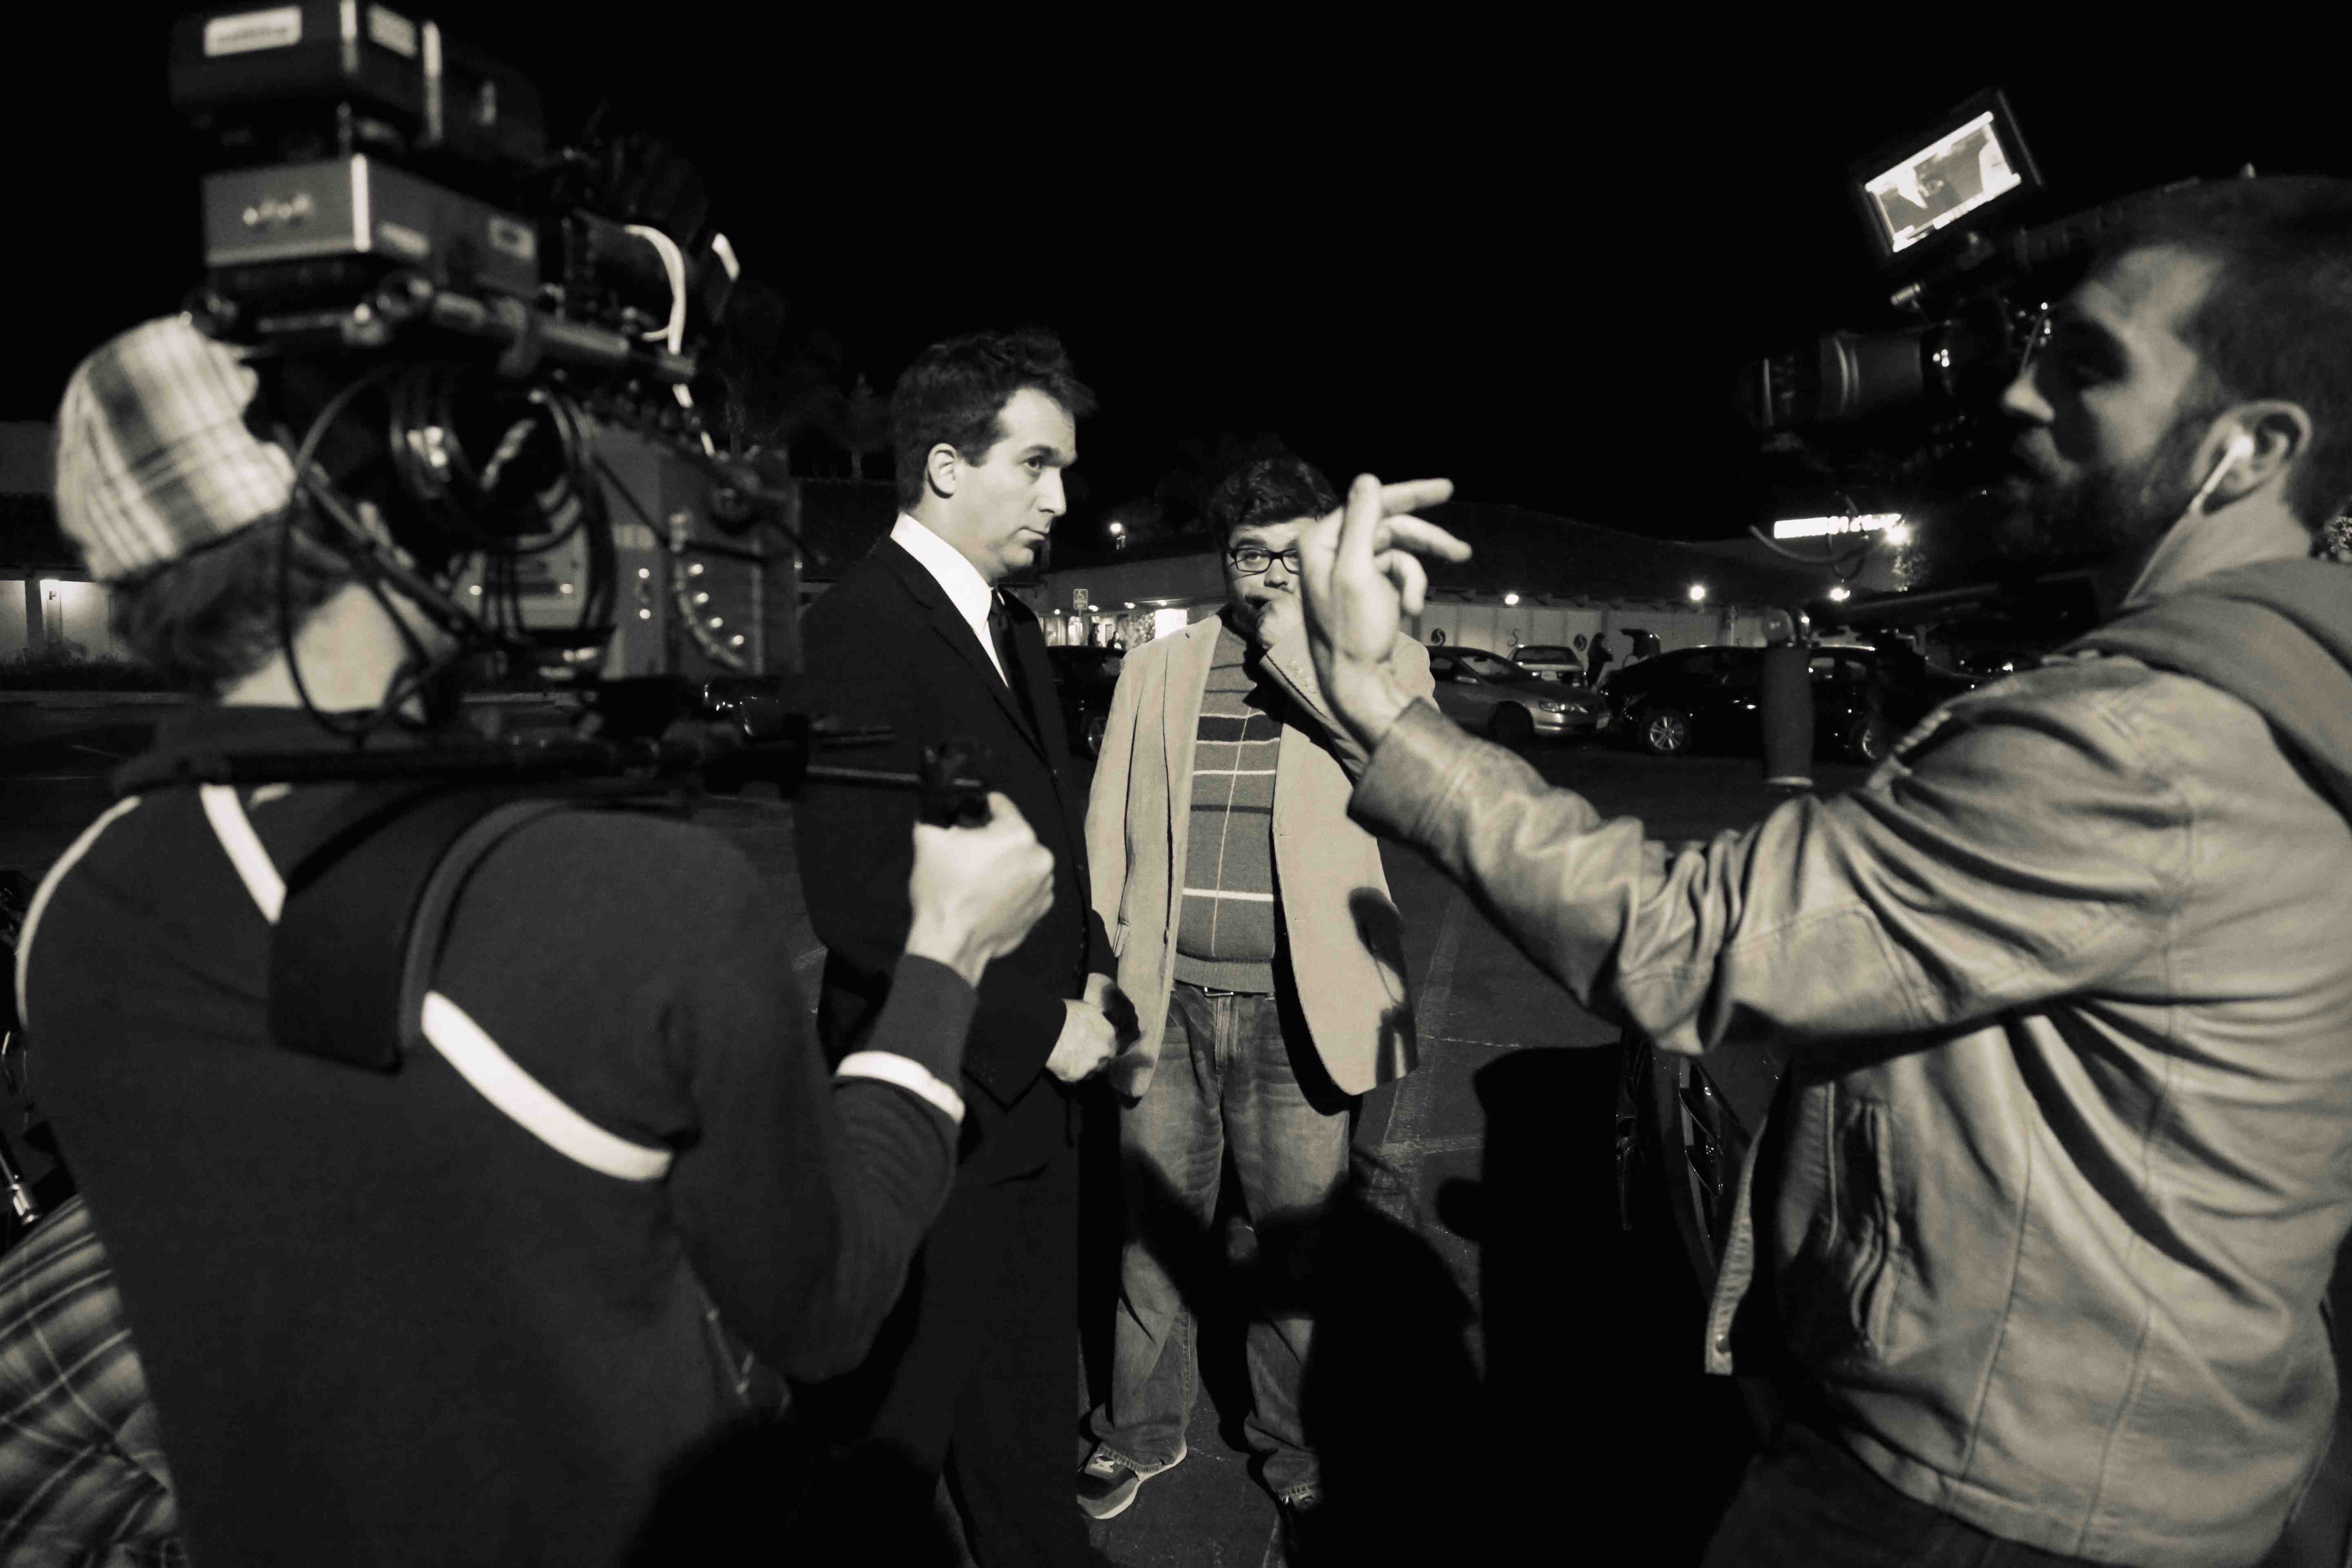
(427, 1015)
(359, 926)
(351, 900)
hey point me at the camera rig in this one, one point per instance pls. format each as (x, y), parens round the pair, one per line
(1906, 412)
(472, 344)
(499, 337)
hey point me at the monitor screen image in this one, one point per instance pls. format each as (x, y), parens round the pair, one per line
(1942, 183)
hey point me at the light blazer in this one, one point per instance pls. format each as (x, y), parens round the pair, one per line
(1344, 937)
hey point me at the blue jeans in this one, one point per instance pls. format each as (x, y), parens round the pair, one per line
(1225, 1079)
(1807, 1503)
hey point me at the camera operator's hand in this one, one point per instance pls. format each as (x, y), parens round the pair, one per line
(1087, 1045)
(977, 891)
(1361, 573)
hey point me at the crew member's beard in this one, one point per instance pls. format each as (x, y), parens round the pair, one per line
(2094, 516)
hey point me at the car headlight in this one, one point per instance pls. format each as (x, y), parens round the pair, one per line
(1553, 707)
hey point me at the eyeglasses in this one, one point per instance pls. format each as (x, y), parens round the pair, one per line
(1249, 560)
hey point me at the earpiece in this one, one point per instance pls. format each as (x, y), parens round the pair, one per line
(2241, 448)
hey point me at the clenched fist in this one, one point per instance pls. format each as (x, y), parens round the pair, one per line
(1086, 1043)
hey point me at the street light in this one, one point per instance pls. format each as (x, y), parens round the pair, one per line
(1698, 593)
(1510, 598)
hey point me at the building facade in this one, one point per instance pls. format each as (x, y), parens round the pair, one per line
(48, 606)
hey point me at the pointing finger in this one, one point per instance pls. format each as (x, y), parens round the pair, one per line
(1412, 494)
(1409, 575)
(1422, 538)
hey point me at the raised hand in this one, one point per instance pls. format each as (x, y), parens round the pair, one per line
(1360, 574)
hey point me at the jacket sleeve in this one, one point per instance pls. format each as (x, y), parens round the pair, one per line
(1294, 670)
(1107, 804)
(2029, 854)
(802, 1197)
(668, 1015)
(892, 1168)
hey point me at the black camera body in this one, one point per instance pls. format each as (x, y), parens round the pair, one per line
(493, 336)
(371, 174)
(517, 325)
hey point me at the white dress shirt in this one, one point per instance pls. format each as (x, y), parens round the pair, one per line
(966, 589)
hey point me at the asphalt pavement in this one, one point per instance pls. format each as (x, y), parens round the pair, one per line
(1498, 1360)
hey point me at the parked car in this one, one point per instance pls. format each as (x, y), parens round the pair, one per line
(1481, 690)
(1546, 662)
(1083, 679)
(1863, 698)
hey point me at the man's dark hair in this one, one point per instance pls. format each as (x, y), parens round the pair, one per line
(2277, 319)
(1279, 489)
(208, 620)
(954, 390)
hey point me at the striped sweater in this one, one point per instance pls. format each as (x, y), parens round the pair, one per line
(1225, 936)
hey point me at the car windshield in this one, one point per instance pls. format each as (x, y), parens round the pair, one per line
(1486, 666)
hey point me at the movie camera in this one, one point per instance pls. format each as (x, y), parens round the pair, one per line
(1970, 283)
(1910, 409)
(499, 336)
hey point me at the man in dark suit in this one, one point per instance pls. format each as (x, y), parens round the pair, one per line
(975, 1371)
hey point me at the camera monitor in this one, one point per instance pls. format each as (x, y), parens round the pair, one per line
(1943, 182)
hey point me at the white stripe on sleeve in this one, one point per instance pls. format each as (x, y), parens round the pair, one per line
(907, 1074)
(502, 1082)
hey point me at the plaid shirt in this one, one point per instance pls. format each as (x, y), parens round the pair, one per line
(81, 1474)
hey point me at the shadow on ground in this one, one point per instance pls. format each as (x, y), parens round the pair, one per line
(1589, 1408)
(1592, 1410)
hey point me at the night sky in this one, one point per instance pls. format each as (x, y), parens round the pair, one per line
(1530, 258)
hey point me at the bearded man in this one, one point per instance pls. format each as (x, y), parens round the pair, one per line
(2037, 1234)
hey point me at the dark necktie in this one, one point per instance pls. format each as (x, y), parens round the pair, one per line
(999, 632)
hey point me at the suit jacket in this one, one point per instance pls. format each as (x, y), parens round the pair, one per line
(886, 646)
(1344, 939)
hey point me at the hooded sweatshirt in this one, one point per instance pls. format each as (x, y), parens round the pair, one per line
(2275, 635)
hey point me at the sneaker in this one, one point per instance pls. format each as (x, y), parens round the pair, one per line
(1107, 1484)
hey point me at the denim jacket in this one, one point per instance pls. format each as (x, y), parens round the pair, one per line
(2066, 1153)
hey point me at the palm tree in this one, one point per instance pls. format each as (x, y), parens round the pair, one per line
(775, 379)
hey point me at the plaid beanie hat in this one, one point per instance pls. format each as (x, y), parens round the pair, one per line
(153, 456)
